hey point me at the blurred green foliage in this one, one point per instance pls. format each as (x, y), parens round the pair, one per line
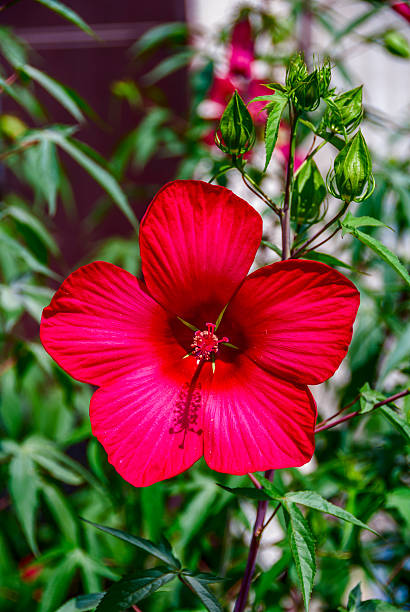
(53, 471)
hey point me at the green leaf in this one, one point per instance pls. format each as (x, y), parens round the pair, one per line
(57, 470)
(58, 583)
(302, 545)
(311, 499)
(168, 66)
(384, 253)
(308, 194)
(396, 43)
(26, 256)
(68, 14)
(60, 136)
(12, 47)
(160, 552)
(399, 353)
(24, 216)
(24, 487)
(198, 586)
(61, 512)
(82, 603)
(400, 500)
(368, 398)
(349, 223)
(397, 420)
(355, 597)
(274, 110)
(272, 246)
(55, 89)
(129, 591)
(50, 173)
(249, 492)
(376, 605)
(175, 32)
(330, 260)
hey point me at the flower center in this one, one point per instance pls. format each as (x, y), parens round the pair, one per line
(205, 344)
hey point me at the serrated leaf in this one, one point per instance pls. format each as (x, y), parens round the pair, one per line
(82, 603)
(311, 499)
(141, 543)
(350, 223)
(55, 89)
(384, 253)
(129, 591)
(303, 550)
(397, 420)
(24, 487)
(68, 14)
(198, 586)
(275, 110)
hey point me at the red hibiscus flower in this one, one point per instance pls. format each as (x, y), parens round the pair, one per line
(169, 393)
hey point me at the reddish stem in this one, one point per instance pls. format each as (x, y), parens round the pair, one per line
(253, 550)
(388, 400)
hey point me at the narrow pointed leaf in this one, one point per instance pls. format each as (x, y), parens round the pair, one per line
(384, 253)
(55, 89)
(129, 591)
(198, 586)
(68, 14)
(149, 547)
(275, 110)
(311, 499)
(303, 550)
(397, 420)
(350, 222)
(249, 492)
(82, 603)
(24, 487)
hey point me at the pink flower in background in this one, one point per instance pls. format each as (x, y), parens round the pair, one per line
(283, 147)
(402, 9)
(171, 392)
(239, 77)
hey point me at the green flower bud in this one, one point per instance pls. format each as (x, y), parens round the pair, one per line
(309, 191)
(307, 94)
(344, 113)
(324, 76)
(396, 43)
(297, 71)
(351, 177)
(236, 132)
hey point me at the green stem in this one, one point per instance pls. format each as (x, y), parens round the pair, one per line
(333, 220)
(285, 220)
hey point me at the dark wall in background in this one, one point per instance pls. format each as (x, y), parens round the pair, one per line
(90, 66)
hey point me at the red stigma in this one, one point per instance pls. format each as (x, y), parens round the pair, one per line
(205, 343)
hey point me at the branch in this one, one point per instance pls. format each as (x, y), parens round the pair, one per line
(327, 425)
(335, 218)
(253, 549)
(285, 220)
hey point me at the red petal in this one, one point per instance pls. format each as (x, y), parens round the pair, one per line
(296, 317)
(255, 421)
(101, 324)
(150, 423)
(242, 49)
(198, 241)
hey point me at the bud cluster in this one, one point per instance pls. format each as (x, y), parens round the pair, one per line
(307, 88)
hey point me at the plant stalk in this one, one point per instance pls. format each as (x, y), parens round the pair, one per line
(253, 550)
(285, 220)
